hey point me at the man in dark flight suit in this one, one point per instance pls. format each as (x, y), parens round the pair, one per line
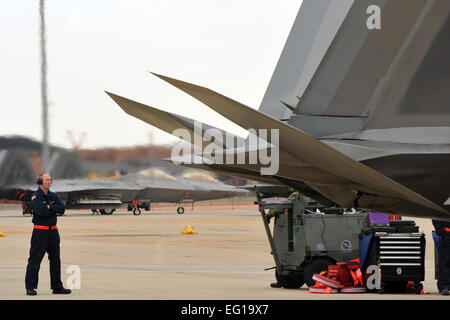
(442, 229)
(45, 206)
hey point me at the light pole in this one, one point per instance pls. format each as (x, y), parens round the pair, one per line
(45, 149)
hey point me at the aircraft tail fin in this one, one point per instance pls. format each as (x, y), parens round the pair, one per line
(167, 121)
(345, 180)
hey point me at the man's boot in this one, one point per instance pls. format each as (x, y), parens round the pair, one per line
(62, 290)
(31, 292)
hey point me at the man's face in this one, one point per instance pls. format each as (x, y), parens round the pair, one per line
(46, 181)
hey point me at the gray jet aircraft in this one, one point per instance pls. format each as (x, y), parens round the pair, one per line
(150, 185)
(362, 108)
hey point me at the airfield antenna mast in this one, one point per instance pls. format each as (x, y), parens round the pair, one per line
(76, 143)
(45, 148)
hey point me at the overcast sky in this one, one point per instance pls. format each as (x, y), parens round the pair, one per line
(229, 46)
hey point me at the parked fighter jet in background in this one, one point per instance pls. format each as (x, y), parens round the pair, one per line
(362, 113)
(164, 182)
(151, 185)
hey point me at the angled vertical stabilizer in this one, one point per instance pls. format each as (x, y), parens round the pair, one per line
(314, 28)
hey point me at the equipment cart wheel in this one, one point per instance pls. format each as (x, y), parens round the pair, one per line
(292, 281)
(315, 266)
(180, 210)
(419, 287)
(136, 211)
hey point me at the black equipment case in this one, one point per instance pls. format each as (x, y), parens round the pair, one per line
(399, 254)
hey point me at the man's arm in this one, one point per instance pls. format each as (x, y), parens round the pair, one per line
(40, 207)
(57, 206)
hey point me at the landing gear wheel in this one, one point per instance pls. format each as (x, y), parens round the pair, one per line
(107, 211)
(316, 266)
(291, 281)
(136, 211)
(180, 210)
(26, 209)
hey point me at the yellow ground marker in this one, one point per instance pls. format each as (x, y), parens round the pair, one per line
(2, 234)
(188, 230)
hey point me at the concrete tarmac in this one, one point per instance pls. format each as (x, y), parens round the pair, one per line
(122, 256)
